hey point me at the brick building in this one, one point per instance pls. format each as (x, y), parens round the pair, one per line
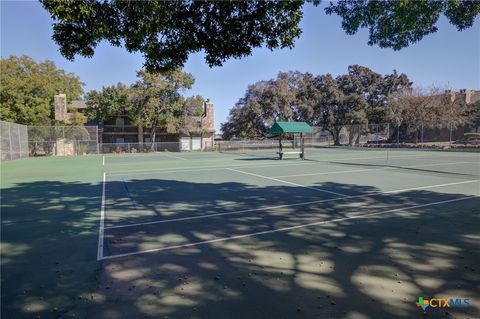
(119, 130)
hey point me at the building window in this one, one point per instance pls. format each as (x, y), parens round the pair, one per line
(119, 121)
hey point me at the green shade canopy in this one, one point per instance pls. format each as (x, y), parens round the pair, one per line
(290, 127)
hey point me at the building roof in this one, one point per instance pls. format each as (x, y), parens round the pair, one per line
(290, 127)
(78, 104)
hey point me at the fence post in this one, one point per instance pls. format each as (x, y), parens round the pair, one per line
(398, 135)
(63, 133)
(421, 135)
(19, 144)
(388, 135)
(97, 141)
(10, 140)
(451, 128)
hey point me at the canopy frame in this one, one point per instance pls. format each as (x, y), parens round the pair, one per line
(290, 127)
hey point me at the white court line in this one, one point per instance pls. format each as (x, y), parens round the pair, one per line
(197, 168)
(329, 173)
(102, 222)
(372, 169)
(103, 160)
(176, 157)
(216, 167)
(286, 182)
(289, 205)
(283, 229)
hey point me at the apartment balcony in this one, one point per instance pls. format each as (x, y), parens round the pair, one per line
(123, 129)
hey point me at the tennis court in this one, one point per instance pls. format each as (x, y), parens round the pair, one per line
(345, 233)
(153, 210)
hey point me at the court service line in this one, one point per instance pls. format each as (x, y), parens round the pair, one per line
(176, 157)
(198, 168)
(217, 167)
(289, 205)
(286, 182)
(102, 221)
(283, 229)
(103, 160)
(134, 206)
(372, 169)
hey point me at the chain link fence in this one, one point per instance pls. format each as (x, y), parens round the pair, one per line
(20, 141)
(349, 135)
(385, 135)
(14, 141)
(145, 147)
(62, 140)
(448, 135)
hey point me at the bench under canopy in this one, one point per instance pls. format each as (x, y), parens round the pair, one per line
(290, 127)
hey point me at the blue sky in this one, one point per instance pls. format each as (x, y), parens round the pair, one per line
(448, 58)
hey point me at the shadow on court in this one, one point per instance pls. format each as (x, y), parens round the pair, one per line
(373, 267)
(49, 234)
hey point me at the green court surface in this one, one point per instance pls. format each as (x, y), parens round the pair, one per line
(343, 234)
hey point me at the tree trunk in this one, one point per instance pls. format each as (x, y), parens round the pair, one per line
(336, 136)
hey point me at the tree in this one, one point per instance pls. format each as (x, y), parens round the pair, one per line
(192, 111)
(338, 106)
(265, 102)
(156, 100)
(76, 118)
(417, 110)
(166, 32)
(374, 87)
(397, 24)
(358, 97)
(107, 103)
(28, 89)
(245, 120)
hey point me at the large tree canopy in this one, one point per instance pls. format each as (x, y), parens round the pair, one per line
(410, 111)
(358, 97)
(166, 32)
(28, 89)
(102, 105)
(156, 100)
(398, 23)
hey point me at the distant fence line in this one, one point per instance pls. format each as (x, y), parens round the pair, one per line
(405, 135)
(20, 141)
(63, 140)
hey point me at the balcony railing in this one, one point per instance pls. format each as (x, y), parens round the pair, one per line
(120, 129)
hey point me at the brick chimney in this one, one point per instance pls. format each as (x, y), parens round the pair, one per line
(208, 121)
(60, 104)
(468, 96)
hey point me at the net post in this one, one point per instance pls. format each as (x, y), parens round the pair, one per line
(280, 147)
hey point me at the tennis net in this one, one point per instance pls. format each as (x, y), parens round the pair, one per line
(458, 164)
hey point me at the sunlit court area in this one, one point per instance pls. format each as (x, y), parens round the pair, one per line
(239, 159)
